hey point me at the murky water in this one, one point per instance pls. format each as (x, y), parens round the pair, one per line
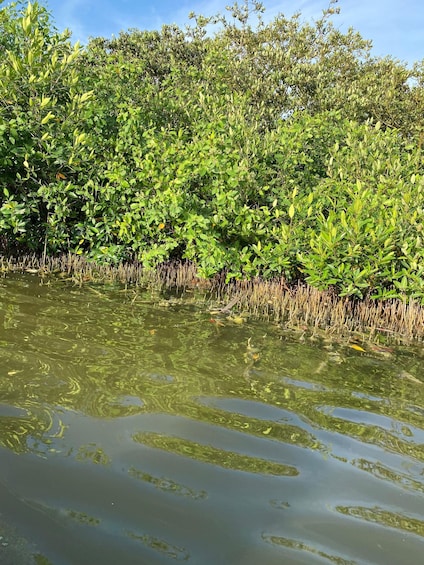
(133, 433)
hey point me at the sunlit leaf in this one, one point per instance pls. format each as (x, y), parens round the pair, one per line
(356, 347)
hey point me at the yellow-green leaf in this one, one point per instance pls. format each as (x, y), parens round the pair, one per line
(86, 95)
(26, 23)
(44, 101)
(47, 118)
(343, 219)
(79, 139)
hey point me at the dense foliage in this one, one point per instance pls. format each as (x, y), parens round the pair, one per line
(280, 148)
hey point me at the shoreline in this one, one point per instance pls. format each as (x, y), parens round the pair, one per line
(294, 306)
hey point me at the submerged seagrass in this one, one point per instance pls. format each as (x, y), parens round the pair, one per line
(298, 306)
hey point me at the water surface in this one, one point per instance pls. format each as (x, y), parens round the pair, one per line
(134, 432)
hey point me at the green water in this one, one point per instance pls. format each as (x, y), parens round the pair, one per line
(134, 433)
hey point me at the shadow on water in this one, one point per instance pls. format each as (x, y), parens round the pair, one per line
(141, 433)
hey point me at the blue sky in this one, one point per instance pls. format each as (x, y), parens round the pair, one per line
(396, 27)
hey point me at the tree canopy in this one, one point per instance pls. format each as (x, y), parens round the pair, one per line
(254, 147)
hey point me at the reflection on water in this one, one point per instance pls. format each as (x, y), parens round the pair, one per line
(167, 485)
(305, 548)
(135, 433)
(211, 455)
(384, 517)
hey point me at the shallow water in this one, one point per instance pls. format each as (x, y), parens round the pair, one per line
(140, 433)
